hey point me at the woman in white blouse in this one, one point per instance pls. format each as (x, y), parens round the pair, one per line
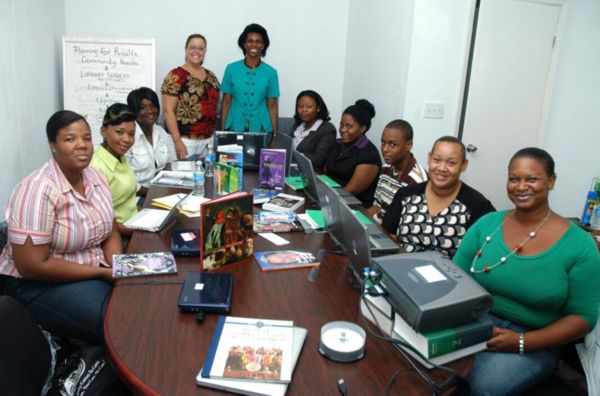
(150, 150)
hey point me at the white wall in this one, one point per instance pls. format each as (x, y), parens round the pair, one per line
(573, 131)
(438, 58)
(308, 38)
(378, 43)
(30, 68)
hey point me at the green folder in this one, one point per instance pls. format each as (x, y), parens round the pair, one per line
(329, 181)
(362, 217)
(295, 182)
(317, 216)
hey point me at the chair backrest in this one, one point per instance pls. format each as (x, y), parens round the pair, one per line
(25, 356)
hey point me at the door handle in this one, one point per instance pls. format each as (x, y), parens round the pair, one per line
(471, 148)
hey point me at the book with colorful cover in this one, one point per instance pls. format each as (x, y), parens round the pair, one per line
(226, 229)
(254, 388)
(285, 259)
(226, 178)
(284, 203)
(143, 264)
(232, 155)
(271, 173)
(251, 349)
(262, 195)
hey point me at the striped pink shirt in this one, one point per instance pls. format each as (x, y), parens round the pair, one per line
(45, 207)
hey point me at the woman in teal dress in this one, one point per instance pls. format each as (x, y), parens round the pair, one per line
(542, 272)
(250, 87)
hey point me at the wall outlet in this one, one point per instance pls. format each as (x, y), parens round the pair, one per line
(433, 110)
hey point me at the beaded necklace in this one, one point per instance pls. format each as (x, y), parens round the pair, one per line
(488, 268)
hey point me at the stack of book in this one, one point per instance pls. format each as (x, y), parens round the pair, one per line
(435, 347)
(252, 356)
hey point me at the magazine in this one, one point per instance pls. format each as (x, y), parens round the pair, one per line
(285, 259)
(251, 349)
(271, 172)
(142, 264)
(226, 229)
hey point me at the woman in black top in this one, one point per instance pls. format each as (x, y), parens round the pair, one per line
(436, 214)
(354, 161)
(312, 132)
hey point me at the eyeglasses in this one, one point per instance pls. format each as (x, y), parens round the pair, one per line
(196, 49)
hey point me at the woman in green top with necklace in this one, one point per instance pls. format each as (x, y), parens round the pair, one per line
(542, 272)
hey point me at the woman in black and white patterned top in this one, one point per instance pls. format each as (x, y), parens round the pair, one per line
(436, 214)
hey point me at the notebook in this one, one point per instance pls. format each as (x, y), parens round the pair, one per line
(251, 142)
(255, 388)
(206, 291)
(310, 189)
(153, 220)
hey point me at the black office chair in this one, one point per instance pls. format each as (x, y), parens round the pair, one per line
(25, 357)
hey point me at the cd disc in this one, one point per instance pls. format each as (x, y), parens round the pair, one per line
(342, 341)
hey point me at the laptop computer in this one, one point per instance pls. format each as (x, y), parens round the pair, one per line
(379, 243)
(153, 220)
(285, 142)
(206, 291)
(328, 198)
(251, 142)
(310, 189)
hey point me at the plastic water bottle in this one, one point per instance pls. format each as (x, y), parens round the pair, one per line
(198, 177)
(209, 161)
(595, 218)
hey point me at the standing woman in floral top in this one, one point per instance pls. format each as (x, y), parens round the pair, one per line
(190, 94)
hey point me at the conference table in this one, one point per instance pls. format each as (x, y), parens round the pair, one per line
(159, 350)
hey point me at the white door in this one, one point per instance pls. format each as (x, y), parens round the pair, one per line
(509, 79)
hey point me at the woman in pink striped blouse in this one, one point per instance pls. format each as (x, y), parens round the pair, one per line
(61, 236)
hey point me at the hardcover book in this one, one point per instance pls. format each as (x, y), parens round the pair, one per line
(251, 350)
(271, 173)
(142, 264)
(226, 229)
(284, 203)
(232, 155)
(227, 178)
(254, 388)
(285, 259)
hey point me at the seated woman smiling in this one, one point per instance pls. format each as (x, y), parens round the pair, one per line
(118, 132)
(542, 272)
(61, 236)
(436, 214)
(354, 161)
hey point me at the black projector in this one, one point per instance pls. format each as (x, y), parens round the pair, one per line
(430, 292)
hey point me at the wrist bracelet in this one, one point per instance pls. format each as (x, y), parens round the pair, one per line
(521, 343)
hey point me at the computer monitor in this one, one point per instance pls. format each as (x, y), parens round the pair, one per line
(285, 142)
(251, 142)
